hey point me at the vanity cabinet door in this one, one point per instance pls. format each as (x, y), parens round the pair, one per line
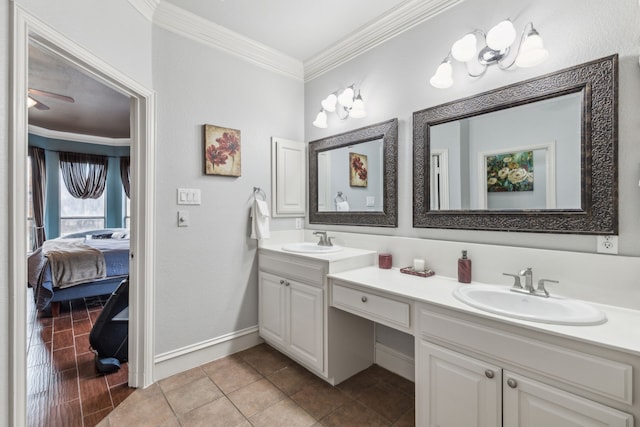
(271, 308)
(455, 390)
(528, 403)
(306, 323)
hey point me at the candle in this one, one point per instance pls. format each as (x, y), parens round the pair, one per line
(418, 264)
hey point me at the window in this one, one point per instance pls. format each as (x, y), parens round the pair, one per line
(127, 212)
(80, 214)
(30, 221)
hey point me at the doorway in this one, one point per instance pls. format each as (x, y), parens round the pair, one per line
(142, 124)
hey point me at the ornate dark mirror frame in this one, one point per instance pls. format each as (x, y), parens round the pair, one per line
(598, 82)
(388, 217)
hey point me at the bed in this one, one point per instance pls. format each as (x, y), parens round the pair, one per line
(78, 266)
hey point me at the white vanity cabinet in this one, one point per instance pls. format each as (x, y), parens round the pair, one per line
(294, 315)
(291, 316)
(485, 379)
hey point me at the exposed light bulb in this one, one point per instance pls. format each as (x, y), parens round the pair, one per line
(465, 49)
(443, 77)
(321, 120)
(346, 97)
(532, 51)
(501, 36)
(329, 103)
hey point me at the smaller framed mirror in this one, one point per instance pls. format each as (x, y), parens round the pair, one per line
(353, 177)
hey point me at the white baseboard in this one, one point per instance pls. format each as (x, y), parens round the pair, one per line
(185, 358)
(394, 361)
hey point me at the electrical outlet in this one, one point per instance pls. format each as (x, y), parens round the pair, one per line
(607, 244)
(298, 223)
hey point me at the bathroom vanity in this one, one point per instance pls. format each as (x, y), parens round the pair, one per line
(472, 367)
(294, 314)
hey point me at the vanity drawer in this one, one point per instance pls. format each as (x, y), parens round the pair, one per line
(379, 308)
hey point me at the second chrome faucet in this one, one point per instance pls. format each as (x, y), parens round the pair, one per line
(528, 287)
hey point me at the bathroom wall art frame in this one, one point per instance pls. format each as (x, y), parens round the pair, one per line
(388, 217)
(597, 84)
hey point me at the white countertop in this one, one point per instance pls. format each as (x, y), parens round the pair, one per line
(345, 253)
(620, 332)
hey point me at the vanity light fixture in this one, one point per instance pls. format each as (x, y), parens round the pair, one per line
(345, 103)
(478, 50)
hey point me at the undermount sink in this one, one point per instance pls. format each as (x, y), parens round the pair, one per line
(556, 310)
(310, 248)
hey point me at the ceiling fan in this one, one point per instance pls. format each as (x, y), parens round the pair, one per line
(32, 102)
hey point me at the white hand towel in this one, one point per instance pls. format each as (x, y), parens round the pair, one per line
(260, 220)
(342, 206)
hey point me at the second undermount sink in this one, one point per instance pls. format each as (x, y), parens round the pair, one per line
(556, 310)
(310, 248)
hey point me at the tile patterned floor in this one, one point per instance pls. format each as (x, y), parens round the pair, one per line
(261, 387)
(63, 388)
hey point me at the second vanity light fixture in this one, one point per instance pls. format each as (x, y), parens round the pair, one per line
(478, 51)
(344, 103)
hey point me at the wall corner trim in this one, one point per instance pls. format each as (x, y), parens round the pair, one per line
(145, 7)
(191, 356)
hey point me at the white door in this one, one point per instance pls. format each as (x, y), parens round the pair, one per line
(528, 403)
(271, 308)
(306, 323)
(454, 390)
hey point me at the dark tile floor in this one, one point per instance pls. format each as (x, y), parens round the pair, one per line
(63, 388)
(262, 387)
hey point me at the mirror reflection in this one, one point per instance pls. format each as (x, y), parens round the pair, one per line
(526, 157)
(351, 178)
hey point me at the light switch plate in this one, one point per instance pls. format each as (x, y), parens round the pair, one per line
(183, 218)
(189, 196)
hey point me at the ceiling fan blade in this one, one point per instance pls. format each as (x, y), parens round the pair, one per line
(51, 95)
(38, 105)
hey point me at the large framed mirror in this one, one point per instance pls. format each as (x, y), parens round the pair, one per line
(536, 156)
(353, 177)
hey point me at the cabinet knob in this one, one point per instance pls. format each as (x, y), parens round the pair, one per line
(286, 283)
(364, 299)
(512, 383)
(489, 373)
(282, 282)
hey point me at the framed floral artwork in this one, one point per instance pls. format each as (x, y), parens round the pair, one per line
(222, 151)
(510, 172)
(358, 170)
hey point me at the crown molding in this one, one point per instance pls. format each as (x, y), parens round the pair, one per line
(400, 19)
(77, 137)
(145, 7)
(192, 26)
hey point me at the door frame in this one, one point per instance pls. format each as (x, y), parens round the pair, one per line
(143, 165)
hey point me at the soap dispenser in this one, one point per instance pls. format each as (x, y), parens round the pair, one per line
(464, 268)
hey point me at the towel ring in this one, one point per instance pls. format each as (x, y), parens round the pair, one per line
(340, 196)
(257, 191)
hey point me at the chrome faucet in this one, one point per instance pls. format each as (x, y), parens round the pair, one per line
(528, 279)
(324, 240)
(528, 287)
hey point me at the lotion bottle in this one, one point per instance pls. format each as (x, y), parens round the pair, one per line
(464, 268)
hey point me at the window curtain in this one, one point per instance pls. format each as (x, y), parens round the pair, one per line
(84, 175)
(38, 188)
(125, 174)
